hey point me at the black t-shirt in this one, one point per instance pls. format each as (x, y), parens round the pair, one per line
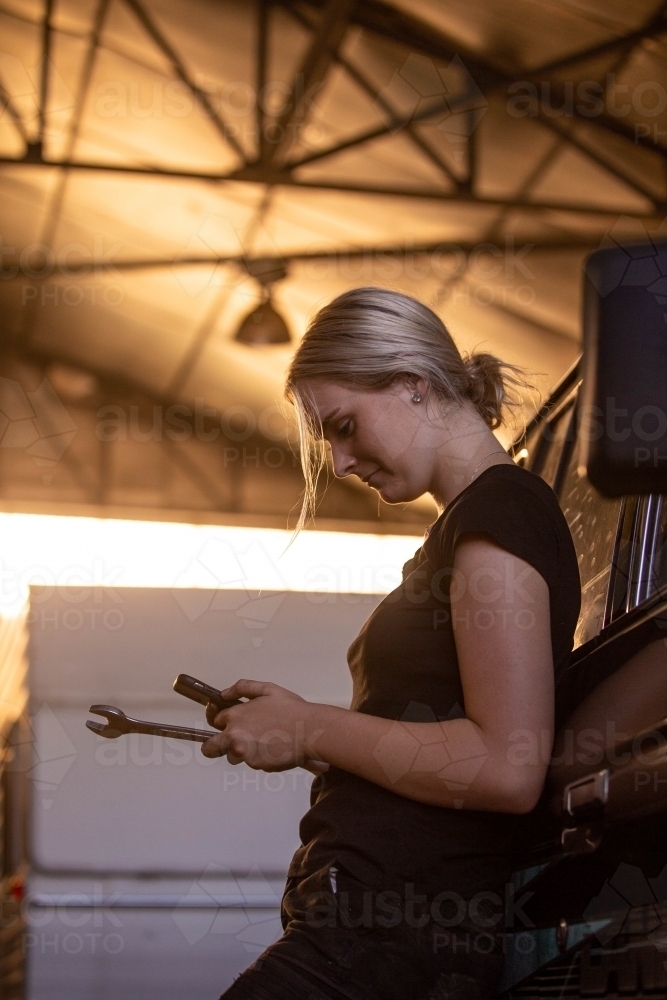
(404, 666)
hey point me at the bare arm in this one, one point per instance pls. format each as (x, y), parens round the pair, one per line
(500, 615)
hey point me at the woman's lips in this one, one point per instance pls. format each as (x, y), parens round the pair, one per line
(369, 479)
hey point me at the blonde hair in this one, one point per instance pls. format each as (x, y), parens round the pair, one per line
(368, 338)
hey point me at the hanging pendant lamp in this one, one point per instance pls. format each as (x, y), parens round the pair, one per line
(264, 324)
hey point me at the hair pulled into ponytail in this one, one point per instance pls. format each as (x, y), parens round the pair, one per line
(370, 337)
(487, 387)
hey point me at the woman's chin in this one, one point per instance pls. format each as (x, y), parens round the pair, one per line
(392, 495)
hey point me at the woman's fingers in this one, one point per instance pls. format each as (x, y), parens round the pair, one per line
(315, 767)
(265, 731)
(240, 746)
(217, 746)
(247, 689)
(212, 711)
(241, 689)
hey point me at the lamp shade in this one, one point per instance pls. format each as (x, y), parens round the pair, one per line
(263, 326)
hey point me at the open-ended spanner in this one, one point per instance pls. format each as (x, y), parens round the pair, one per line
(118, 724)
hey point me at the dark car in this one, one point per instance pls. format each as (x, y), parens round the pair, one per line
(588, 914)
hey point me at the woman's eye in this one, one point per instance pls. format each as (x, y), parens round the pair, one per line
(345, 429)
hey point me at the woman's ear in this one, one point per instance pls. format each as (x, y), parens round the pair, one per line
(416, 386)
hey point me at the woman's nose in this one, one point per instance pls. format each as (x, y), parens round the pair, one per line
(344, 463)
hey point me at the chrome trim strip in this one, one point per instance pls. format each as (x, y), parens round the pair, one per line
(76, 901)
(644, 542)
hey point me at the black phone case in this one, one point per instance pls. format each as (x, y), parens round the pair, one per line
(200, 692)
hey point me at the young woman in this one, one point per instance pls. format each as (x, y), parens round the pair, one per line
(397, 891)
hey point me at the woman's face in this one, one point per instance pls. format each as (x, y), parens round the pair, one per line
(382, 436)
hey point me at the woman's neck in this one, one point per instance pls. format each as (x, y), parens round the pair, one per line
(470, 448)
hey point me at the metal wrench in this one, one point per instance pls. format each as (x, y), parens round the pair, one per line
(118, 724)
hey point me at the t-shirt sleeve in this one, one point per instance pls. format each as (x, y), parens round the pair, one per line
(515, 516)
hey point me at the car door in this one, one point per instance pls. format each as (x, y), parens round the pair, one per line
(621, 548)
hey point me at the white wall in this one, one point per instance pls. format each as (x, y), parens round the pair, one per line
(142, 822)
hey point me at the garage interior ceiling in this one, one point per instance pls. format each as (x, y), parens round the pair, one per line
(155, 154)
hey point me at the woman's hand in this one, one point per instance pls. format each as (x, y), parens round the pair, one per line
(271, 731)
(473, 762)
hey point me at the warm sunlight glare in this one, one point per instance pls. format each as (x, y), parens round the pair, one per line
(53, 552)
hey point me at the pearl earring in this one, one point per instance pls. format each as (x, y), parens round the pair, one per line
(416, 398)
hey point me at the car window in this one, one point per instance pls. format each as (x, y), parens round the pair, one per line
(593, 522)
(526, 450)
(659, 563)
(618, 602)
(550, 448)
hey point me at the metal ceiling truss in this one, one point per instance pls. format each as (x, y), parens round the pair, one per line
(458, 249)
(361, 80)
(327, 36)
(537, 324)
(631, 182)
(468, 186)
(94, 482)
(272, 167)
(124, 392)
(17, 121)
(490, 79)
(47, 236)
(260, 79)
(449, 283)
(47, 38)
(327, 22)
(179, 70)
(206, 328)
(400, 27)
(282, 180)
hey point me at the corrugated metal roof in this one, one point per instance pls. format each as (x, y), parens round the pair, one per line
(470, 154)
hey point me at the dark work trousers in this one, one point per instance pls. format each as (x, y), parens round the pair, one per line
(346, 941)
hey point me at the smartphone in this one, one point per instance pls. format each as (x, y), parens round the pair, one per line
(198, 691)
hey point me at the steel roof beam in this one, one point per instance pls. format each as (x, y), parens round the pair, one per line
(183, 75)
(75, 123)
(607, 123)
(58, 197)
(311, 74)
(86, 75)
(492, 231)
(268, 177)
(354, 253)
(208, 324)
(362, 81)
(400, 122)
(121, 388)
(47, 34)
(207, 486)
(411, 31)
(47, 37)
(8, 106)
(654, 26)
(506, 310)
(602, 161)
(377, 17)
(384, 19)
(464, 197)
(263, 10)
